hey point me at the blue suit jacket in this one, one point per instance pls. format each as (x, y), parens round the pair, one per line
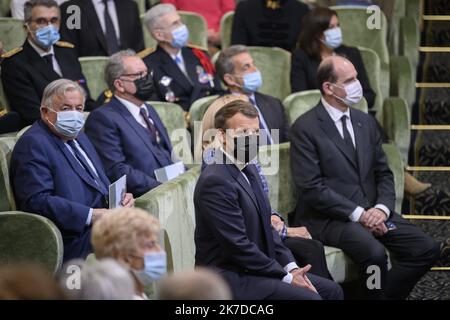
(125, 146)
(230, 234)
(48, 180)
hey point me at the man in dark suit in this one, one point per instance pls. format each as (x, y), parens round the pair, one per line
(182, 73)
(268, 23)
(233, 233)
(55, 171)
(27, 70)
(346, 189)
(237, 70)
(128, 133)
(107, 26)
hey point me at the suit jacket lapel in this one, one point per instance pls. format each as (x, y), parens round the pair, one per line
(160, 127)
(94, 23)
(170, 67)
(66, 67)
(328, 126)
(39, 63)
(191, 66)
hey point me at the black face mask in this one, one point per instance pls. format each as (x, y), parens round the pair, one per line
(246, 148)
(144, 88)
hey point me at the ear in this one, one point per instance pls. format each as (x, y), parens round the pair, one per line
(158, 35)
(229, 80)
(327, 87)
(118, 86)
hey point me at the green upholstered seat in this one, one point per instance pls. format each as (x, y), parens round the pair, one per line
(299, 103)
(141, 6)
(409, 41)
(226, 25)
(397, 124)
(275, 66)
(402, 79)
(3, 101)
(198, 30)
(7, 202)
(372, 65)
(172, 203)
(398, 169)
(30, 238)
(353, 21)
(198, 109)
(4, 7)
(94, 70)
(398, 12)
(12, 33)
(412, 8)
(148, 39)
(173, 118)
(22, 131)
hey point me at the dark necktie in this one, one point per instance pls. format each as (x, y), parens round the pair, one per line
(110, 32)
(49, 59)
(150, 125)
(87, 167)
(254, 179)
(261, 124)
(347, 138)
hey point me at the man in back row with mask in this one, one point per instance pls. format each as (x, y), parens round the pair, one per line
(182, 73)
(55, 171)
(27, 70)
(127, 132)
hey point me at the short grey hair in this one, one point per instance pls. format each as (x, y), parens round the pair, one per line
(152, 16)
(59, 88)
(115, 67)
(104, 279)
(29, 5)
(224, 63)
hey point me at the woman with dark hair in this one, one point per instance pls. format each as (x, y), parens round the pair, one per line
(320, 38)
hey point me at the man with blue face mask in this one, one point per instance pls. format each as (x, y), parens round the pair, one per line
(27, 70)
(183, 73)
(236, 68)
(56, 172)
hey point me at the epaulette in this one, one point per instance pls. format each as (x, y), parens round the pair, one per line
(64, 44)
(3, 112)
(144, 53)
(108, 95)
(12, 52)
(193, 46)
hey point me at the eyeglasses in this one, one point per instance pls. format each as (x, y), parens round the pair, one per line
(45, 22)
(140, 75)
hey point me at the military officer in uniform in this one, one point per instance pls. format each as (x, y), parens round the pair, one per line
(27, 70)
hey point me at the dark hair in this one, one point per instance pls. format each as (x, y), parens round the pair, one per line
(315, 23)
(232, 108)
(29, 5)
(325, 73)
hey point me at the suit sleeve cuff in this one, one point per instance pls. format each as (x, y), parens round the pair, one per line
(89, 218)
(290, 266)
(356, 214)
(288, 278)
(383, 208)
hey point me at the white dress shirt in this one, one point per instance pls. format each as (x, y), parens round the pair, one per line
(179, 60)
(100, 10)
(336, 116)
(135, 111)
(43, 53)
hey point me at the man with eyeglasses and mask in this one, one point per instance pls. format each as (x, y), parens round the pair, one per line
(27, 70)
(127, 132)
(183, 73)
(233, 234)
(56, 172)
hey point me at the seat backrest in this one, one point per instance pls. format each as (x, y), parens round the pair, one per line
(30, 238)
(275, 163)
(398, 169)
(4, 7)
(12, 33)
(94, 70)
(198, 30)
(354, 22)
(149, 42)
(372, 65)
(22, 131)
(226, 25)
(173, 118)
(7, 202)
(409, 41)
(275, 66)
(173, 204)
(198, 109)
(141, 6)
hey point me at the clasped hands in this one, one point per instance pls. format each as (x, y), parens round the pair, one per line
(373, 220)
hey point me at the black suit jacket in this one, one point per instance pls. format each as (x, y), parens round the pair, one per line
(90, 39)
(26, 74)
(256, 25)
(330, 184)
(185, 90)
(230, 234)
(304, 71)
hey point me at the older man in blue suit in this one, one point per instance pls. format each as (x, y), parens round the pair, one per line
(56, 172)
(127, 132)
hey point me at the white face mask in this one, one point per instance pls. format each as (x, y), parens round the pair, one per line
(354, 93)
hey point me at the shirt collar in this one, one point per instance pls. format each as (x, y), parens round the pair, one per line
(134, 109)
(40, 51)
(178, 55)
(335, 113)
(240, 166)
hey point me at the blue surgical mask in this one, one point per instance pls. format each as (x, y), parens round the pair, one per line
(333, 38)
(180, 37)
(47, 36)
(68, 123)
(252, 81)
(155, 267)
